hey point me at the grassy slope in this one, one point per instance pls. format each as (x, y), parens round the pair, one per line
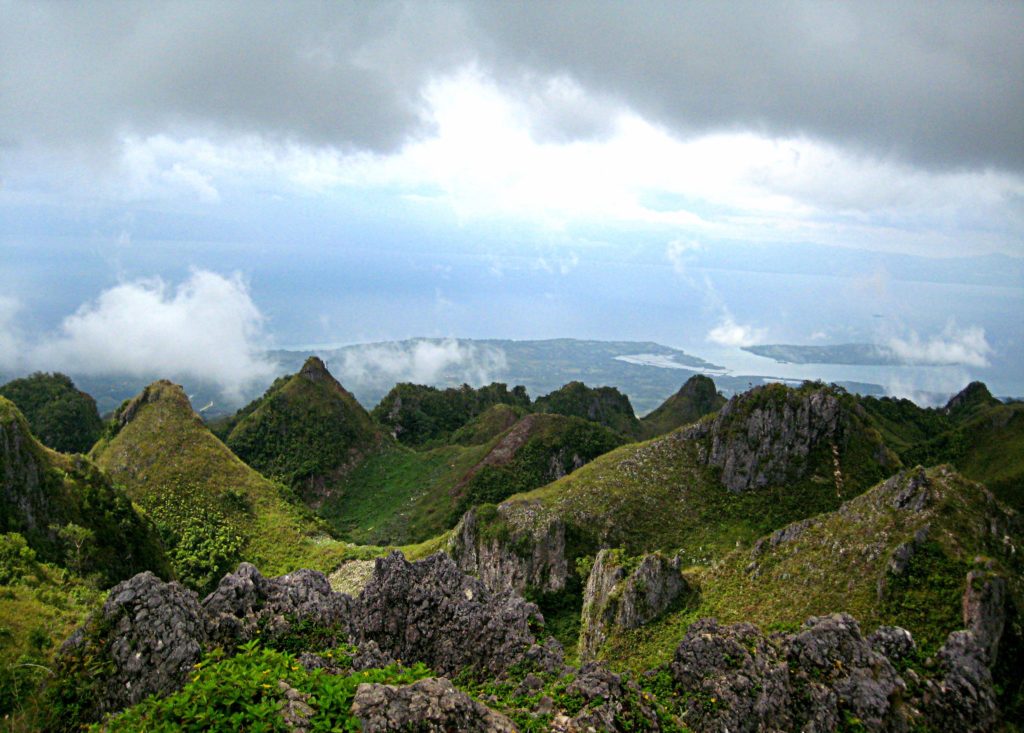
(399, 495)
(303, 430)
(489, 424)
(43, 489)
(173, 466)
(61, 417)
(836, 564)
(657, 495)
(984, 439)
(40, 605)
(695, 399)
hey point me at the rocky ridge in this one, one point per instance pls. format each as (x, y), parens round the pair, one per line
(626, 595)
(149, 635)
(768, 435)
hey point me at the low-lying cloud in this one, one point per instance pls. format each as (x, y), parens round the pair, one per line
(207, 328)
(423, 361)
(954, 346)
(10, 346)
(730, 333)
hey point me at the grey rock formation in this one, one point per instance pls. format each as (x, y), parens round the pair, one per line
(431, 612)
(765, 436)
(149, 632)
(430, 705)
(741, 680)
(984, 606)
(963, 697)
(245, 602)
(612, 703)
(509, 557)
(617, 595)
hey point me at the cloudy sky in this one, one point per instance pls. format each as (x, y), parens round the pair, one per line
(182, 180)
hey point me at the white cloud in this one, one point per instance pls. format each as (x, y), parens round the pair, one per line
(421, 362)
(207, 328)
(10, 342)
(730, 333)
(678, 250)
(954, 346)
(483, 160)
(927, 387)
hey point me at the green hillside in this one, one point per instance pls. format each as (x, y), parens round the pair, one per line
(605, 405)
(68, 511)
(899, 554)
(416, 414)
(211, 508)
(813, 447)
(695, 399)
(982, 437)
(40, 605)
(61, 416)
(401, 496)
(306, 431)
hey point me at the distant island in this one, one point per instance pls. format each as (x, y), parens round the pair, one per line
(851, 354)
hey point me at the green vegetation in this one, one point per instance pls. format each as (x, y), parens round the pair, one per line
(417, 415)
(305, 431)
(660, 495)
(695, 399)
(605, 405)
(400, 496)
(61, 417)
(40, 605)
(979, 435)
(538, 450)
(248, 691)
(489, 424)
(840, 561)
(212, 509)
(68, 512)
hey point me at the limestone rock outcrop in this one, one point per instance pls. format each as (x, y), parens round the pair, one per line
(506, 556)
(428, 706)
(619, 594)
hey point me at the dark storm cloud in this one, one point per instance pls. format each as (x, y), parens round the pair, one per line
(317, 72)
(938, 84)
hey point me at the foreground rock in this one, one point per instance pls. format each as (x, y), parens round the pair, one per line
(431, 612)
(738, 679)
(624, 596)
(508, 553)
(425, 706)
(149, 634)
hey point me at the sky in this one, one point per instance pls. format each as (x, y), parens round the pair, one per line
(184, 185)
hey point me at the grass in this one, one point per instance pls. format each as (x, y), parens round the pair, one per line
(304, 431)
(40, 605)
(178, 471)
(399, 495)
(837, 564)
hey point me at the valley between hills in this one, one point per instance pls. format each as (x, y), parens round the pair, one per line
(480, 559)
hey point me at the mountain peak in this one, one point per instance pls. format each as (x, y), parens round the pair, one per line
(163, 392)
(974, 395)
(315, 370)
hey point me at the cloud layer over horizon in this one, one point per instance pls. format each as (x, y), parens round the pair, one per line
(207, 329)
